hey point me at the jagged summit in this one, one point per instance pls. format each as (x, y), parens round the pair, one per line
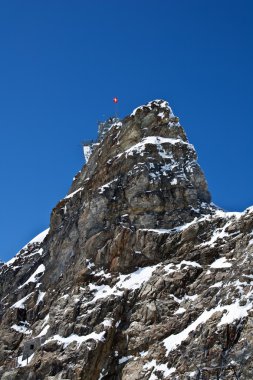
(138, 276)
(147, 167)
(157, 104)
(104, 127)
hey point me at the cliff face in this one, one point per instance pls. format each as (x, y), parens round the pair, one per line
(139, 275)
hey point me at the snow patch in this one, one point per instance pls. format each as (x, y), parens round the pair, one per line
(40, 297)
(101, 189)
(33, 278)
(157, 103)
(176, 229)
(45, 320)
(181, 310)
(76, 338)
(74, 192)
(158, 368)
(43, 331)
(107, 323)
(154, 140)
(250, 242)
(174, 182)
(136, 279)
(217, 285)
(220, 263)
(190, 263)
(127, 281)
(233, 312)
(38, 239)
(124, 359)
(21, 303)
(23, 329)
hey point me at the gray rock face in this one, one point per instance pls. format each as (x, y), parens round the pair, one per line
(139, 276)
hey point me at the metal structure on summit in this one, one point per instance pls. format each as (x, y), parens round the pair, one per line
(103, 128)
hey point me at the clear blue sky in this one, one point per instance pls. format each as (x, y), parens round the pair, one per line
(61, 64)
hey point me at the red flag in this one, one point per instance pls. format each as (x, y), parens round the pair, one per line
(115, 100)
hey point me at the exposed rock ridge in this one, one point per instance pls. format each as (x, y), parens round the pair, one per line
(139, 276)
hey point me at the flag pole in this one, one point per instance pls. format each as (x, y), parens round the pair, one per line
(115, 101)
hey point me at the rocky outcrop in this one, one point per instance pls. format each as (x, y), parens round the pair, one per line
(139, 275)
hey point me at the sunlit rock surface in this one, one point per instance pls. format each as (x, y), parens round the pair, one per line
(139, 275)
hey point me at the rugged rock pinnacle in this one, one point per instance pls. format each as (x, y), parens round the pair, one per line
(139, 276)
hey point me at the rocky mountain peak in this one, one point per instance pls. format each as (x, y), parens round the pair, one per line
(139, 276)
(143, 174)
(146, 165)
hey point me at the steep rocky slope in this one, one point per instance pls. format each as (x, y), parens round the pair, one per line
(139, 275)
